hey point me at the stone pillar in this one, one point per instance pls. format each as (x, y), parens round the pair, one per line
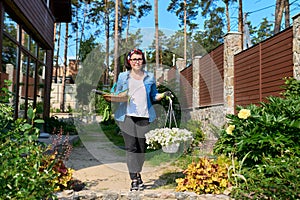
(159, 73)
(232, 46)
(166, 74)
(196, 84)
(296, 46)
(180, 64)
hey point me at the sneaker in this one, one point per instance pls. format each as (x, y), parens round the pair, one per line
(134, 185)
(141, 185)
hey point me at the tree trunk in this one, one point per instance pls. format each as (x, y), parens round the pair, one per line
(77, 36)
(83, 22)
(57, 52)
(128, 20)
(63, 84)
(241, 26)
(287, 13)
(185, 35)
(120, 18)
(227, 15)
(107, 40)
(156, 34)
(116, 52)
(278, 15)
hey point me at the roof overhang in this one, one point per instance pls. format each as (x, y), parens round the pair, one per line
(61, 10)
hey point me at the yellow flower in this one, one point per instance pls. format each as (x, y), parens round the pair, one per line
(229, 129)
(244, 113)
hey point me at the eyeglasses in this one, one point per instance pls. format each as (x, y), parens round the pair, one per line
(136, 59)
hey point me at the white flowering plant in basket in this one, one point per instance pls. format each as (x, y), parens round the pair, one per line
(162, 137)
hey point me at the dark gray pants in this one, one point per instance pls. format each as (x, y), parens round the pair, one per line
(133, 131)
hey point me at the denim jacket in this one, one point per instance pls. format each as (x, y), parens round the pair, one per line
(151, 92)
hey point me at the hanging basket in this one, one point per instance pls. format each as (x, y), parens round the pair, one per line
(110, 97)
(172, 148)
(115, 98)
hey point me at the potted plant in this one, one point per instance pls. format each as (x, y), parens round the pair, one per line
(168, 139)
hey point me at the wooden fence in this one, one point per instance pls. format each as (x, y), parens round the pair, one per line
(258, 73)
(212, 78)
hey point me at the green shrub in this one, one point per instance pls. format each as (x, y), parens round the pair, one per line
(268, 135)
(195, 127)
(276, 178)
(270, 128)
(55, 125)
(5, 94)
(206, 176)
(21, 158)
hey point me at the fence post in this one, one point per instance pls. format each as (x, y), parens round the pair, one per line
(196, 85)
(296, 46)
(232, 46)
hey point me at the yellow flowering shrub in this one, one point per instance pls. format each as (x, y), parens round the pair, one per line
(205, 177)
(229, 129)
(63, 175)
(244, 113)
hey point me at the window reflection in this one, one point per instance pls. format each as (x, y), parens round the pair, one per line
(10, 26)
(25, 40)
(9, 54)
(9, 63)
(22, 86)
(23, 62)
(42, 55)
(40, 82)
(33, 47)
(31, 79)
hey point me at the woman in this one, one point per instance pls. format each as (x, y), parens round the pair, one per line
(135, 115)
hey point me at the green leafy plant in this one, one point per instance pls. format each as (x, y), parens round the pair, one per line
(275, 178)
(195, 127)
(266, 129)
(172, 86)
(205, 177)
(265, 141)
(21, 157)
(53, 125)
(57, 154)
(235, 171)
(5, 94)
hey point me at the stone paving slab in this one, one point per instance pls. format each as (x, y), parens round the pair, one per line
(137, 195)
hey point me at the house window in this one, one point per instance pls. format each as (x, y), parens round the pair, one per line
(23, 63)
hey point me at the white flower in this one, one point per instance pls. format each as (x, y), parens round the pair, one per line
(167, 136)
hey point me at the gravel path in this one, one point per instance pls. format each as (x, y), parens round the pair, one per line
(101, 165)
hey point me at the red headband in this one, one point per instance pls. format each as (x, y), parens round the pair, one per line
(134, 51)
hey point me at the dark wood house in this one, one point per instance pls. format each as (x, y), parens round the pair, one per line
(26, 49)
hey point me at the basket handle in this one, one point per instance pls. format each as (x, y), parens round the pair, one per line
(170, 114)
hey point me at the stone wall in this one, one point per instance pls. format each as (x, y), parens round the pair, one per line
(296, 46)
(209, 117)
(70, 96)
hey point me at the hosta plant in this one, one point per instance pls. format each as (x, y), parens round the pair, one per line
(206, 176)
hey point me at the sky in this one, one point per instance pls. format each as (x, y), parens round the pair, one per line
(257, 9)
(168, 22)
